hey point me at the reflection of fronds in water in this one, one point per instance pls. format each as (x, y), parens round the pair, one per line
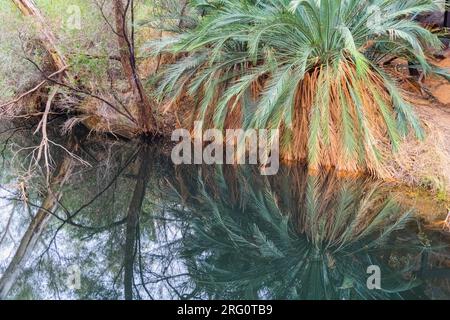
(265, 242)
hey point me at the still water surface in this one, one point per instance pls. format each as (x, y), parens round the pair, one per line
(131, 225)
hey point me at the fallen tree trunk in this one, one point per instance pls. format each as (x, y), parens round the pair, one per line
(46, 36)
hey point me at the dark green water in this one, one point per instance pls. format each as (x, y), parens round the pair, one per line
(131, 225)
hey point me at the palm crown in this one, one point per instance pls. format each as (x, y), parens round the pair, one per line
(312, 68)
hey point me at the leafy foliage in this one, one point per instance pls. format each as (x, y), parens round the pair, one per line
(313, 69)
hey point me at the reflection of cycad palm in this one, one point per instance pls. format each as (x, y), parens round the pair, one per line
(246, 243)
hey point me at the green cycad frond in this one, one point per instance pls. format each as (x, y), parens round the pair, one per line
(280, 50)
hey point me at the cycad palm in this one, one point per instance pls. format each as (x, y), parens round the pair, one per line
(313, 68)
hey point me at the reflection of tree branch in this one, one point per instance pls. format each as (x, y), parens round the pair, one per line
(116, 278)
(8, 224)
(73, 215)
(6, 142)
(180, 296)
(165, 278)
(119, 173)
(100, 229)
(36, 227)
(140, 264)
(133, 215)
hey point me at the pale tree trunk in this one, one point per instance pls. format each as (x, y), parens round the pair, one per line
(127, 58)
(36, 227)
(46, 36)
(134, 210)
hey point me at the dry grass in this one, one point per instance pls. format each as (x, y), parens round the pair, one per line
(427, 163)
(423, 163)
(97, 116)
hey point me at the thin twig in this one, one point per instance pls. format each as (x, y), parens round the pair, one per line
(34, 89)
(126, 114)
